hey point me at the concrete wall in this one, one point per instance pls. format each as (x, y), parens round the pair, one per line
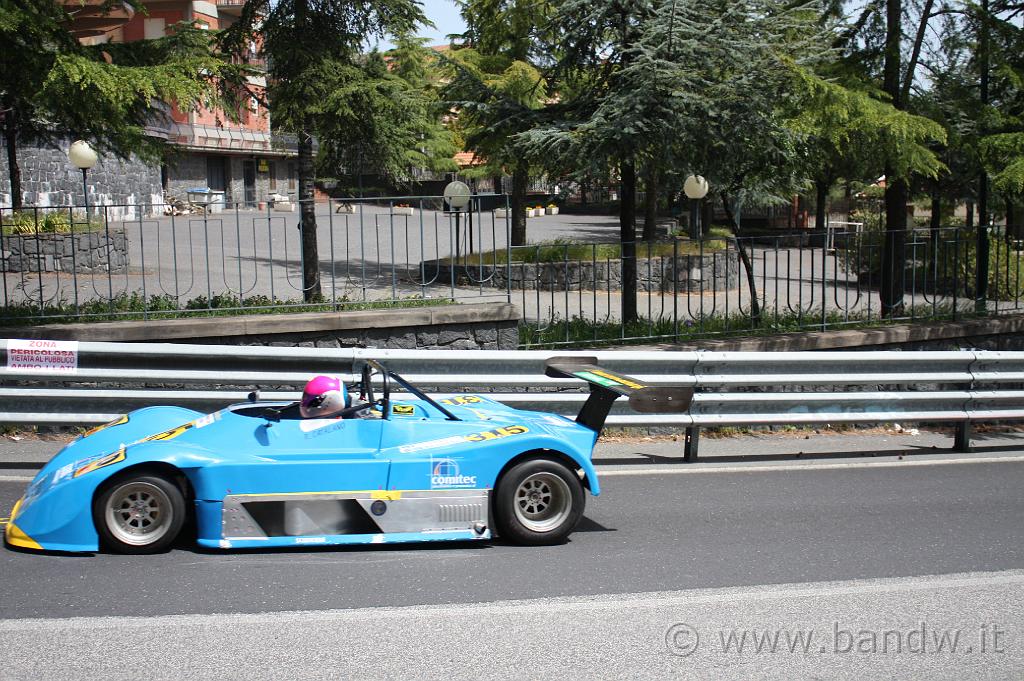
(714, 271)
(490, 326)
(993, 333)
(49, 179)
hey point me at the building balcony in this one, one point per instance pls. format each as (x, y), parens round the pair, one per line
(89, 18)
(228, 140)
(230, 7)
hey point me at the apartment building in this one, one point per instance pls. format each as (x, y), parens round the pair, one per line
(238, 155)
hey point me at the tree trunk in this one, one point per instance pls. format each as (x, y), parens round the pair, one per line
(520, 179)
(935, 228)
(969, 218)
(307, 210)
(496, 180)
(1011, 224)
(891, 288)
(627, 235)
(14, 170)
(748, 268)
(651, 202)
(935, 223)
(820, 217)
(894, 247)
(982, 245)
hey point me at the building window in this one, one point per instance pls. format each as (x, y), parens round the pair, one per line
(272, 170)
(292, 177)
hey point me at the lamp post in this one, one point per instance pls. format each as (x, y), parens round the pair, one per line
(456, 195)
(83, 157)
(696, 188)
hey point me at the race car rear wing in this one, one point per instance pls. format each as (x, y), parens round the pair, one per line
(607, 386)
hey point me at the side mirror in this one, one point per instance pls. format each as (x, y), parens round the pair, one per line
(272, 415)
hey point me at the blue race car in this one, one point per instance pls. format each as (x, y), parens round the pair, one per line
(403, 468)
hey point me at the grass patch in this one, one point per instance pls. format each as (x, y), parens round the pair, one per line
(134, 306)
(559, 250)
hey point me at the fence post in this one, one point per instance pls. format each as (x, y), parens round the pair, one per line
(962, 439)
(691, 443)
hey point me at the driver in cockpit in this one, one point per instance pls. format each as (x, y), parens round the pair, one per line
(327, 397)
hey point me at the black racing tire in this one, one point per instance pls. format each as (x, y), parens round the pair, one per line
(538, 502)
(138, 513)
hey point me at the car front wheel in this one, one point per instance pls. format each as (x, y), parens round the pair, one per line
(538, 502)
(141, 513)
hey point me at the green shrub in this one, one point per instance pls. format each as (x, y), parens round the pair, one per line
(129, 306)
(49, 222)
(22, 222)
(56, 222)
(559, 250)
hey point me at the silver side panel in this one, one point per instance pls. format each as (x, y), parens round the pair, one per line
(339, 513)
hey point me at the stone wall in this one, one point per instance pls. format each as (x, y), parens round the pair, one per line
(49, 179)
(717, 271)
(485, 326)
(83, 252)
(184, 172)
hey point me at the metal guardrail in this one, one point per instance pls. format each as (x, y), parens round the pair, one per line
(783, 388)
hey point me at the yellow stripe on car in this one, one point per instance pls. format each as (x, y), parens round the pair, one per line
(15, 537)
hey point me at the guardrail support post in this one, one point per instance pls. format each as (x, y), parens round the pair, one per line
(691, 443)
(962, 439)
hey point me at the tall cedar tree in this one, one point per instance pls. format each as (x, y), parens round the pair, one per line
(700, 82)
(497, 85)
(305, 42)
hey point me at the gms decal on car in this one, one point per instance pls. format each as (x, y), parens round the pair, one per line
(257, 474)
(482, 436)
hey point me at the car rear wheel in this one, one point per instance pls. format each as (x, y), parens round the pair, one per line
(139, 513)
(538, 502)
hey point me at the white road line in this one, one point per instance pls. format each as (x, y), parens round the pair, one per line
(633, 635)
(654, 599)
(688, 469)
(15, 478)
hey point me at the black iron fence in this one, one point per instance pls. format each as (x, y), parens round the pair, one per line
(767, 283)
(73, 263)
(108, 262)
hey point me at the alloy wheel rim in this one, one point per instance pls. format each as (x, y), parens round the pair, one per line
(542, 502)
(138, 513)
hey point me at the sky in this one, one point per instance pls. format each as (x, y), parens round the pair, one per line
(445, 15)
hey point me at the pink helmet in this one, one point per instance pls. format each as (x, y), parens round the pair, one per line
(323, 396)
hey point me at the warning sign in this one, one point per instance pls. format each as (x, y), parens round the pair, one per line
(43, 356)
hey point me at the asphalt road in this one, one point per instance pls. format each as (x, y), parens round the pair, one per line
(644, 533)
(857, 547)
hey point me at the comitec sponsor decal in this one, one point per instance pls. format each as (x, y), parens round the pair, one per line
(445, 473)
